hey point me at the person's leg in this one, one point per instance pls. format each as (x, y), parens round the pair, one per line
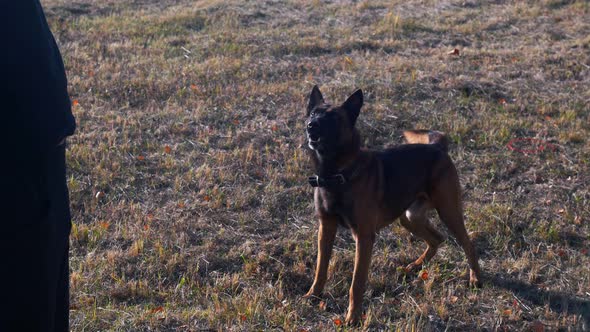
(62, 298)
(34, 231)
(27, 253)
(61, 217)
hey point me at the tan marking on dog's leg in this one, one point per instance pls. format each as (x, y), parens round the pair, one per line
(362, 262)
(326, 234)
(416, 221)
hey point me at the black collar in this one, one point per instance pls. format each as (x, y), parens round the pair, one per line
(335, 180)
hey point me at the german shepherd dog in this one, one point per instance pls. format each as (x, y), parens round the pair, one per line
(366, 190)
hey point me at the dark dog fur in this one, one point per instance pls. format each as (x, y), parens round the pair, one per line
(366, 190)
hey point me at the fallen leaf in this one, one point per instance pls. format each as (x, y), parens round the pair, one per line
(337, 321)
(157, 309)
(453, 299)
(243, 318)
(507, 312)
(274, 127)
(502, 101)
(99, 195)
(167, 149)
(75, 102)
(207, 198)
(322, 305)
(424, 275)
(194, 87)
(180, 205)
(140, 158)
(455, 51)
(104, 225)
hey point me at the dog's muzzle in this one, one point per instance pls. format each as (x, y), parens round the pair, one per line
(330, 181)
(313, 131)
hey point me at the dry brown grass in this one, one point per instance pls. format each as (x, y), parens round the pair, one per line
(190, 206)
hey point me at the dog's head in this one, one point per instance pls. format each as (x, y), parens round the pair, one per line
(330, 128)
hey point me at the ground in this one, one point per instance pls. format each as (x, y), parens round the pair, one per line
(191, 210)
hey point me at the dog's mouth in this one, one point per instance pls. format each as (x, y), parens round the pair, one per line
(314, 142)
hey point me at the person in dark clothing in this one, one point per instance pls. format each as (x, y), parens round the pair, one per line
(35, 119)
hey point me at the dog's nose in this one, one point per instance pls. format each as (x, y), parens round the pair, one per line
(313, 130)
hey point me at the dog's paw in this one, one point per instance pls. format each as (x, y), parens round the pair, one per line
(353, 318)
(474, 280)
(353, 321)
(475, 283)
(311, 295)
(412, 267)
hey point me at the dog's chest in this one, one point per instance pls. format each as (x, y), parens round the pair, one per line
(336, 203)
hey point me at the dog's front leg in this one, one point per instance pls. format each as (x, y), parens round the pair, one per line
(362, 262)
(326, 235)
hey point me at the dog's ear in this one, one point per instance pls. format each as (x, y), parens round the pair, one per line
(353, 105)
(315, 99)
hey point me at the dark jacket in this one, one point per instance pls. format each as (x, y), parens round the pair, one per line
(35, 110)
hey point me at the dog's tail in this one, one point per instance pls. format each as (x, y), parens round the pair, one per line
(427, 137)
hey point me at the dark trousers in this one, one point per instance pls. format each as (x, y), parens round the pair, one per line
(34, 242)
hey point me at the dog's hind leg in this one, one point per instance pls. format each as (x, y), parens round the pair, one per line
(447, 201)
(416, 221)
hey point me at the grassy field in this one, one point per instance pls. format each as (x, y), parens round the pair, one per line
(190, 205)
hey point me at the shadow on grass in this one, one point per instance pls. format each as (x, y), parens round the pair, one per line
(558, 301)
